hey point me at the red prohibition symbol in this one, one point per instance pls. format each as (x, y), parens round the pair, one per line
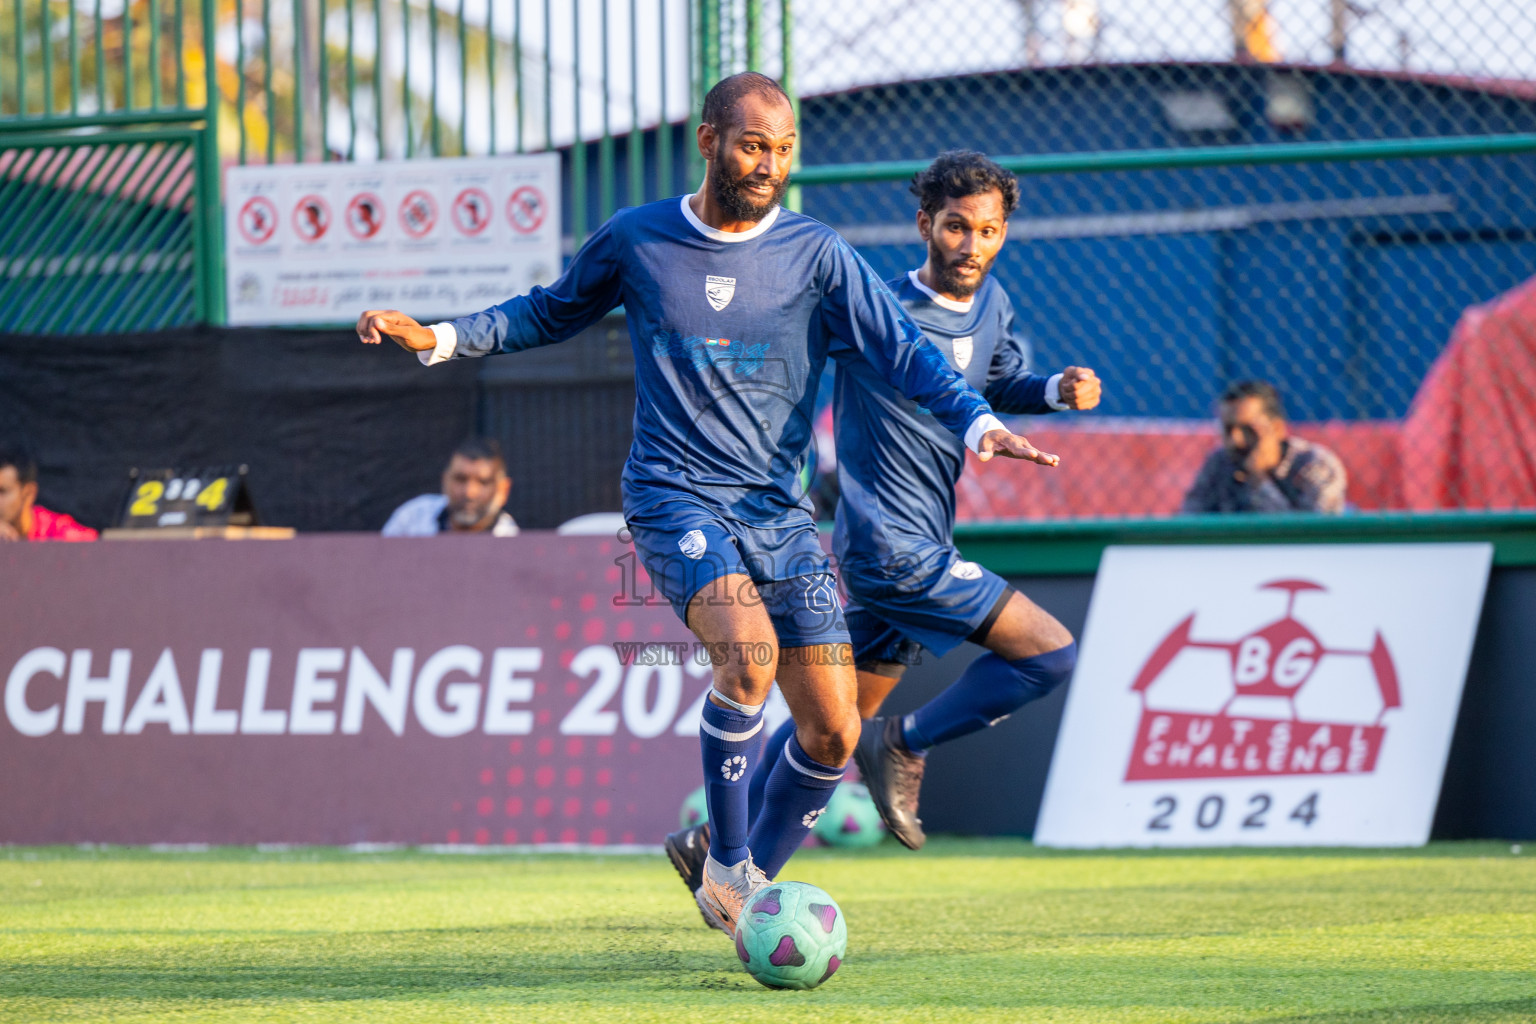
(472, 211)
(365, 216)
(311, 218)
(526, 209)
(258, 219)
(418, 213)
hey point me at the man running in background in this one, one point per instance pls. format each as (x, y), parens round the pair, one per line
(733, 305)
(911, 588)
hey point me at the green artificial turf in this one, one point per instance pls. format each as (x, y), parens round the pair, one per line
(973, 931)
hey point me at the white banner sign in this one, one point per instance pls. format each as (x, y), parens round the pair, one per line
(1272, 695)
(319, 243)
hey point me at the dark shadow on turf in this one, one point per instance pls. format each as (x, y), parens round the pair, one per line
(1426, 1014)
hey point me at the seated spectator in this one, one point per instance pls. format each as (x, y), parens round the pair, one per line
(21, 517)
(475, 491)
(1259, 467)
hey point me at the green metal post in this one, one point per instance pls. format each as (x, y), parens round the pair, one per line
(793, 198)
(101, 64)
(606, 186)
(47, 48)
(154, 53)
(298, 78)
(74, 62)
(694, 164)
(21, 63)
(754, 35)
(240, 74)
(517, 67)
(181, 53)
(322, 43)
(209, 184)
(437, 135)
(663, 123)
(405, 78)
(128, 103)
(709, 32)
(490, 68)
(549, 93)
(635, 156)
(268, 107)
(351, 81)
(463, 84)
(579, 146)
(378, 74)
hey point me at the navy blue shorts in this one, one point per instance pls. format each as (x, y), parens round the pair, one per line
(686, 546)
(931, 598)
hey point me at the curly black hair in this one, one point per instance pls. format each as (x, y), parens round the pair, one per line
(958, 173)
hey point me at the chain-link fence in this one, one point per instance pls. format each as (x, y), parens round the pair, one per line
(1341, 280)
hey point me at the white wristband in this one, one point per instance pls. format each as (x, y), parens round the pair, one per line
(1053, 393)
(447, 342)
(979, 426)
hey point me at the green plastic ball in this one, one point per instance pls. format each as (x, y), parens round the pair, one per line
(695, 810)
(850, 818)
(791, 935)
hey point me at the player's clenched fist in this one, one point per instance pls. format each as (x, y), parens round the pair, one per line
(377, 324)
(1001, 442)
(1080, 387)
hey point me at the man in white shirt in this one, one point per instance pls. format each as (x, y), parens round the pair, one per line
(475, 491)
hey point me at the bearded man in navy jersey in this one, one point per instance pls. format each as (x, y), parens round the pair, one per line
(733, 306)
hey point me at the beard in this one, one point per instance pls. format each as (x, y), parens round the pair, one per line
(946, 278)
(734, 199)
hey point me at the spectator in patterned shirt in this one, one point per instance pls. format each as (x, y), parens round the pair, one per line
(1259, 467)
(475, 491)
(21, 517)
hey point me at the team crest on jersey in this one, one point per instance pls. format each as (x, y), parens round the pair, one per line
(964, 348)
(693, 544)
(965, 571)
(718, 290)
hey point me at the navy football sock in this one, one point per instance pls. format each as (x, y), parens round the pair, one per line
(770, 757)
(797, 792)
(729, 739)
(989, 690)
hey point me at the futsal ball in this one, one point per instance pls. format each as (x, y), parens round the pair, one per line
(851, 818)
(792, 935)
(695, 809)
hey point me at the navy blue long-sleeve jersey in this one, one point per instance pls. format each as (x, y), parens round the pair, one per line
(731, 332)
(896, 467)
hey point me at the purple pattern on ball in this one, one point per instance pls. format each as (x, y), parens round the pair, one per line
(826, 914)
(786, 955)
(741, 950)
(832, 966)
(767, 903)
(851, 824)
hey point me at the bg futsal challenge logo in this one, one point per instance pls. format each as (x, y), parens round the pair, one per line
(1275, 702)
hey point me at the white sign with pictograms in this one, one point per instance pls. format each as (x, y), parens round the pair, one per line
(1272, 695)
(320, 243)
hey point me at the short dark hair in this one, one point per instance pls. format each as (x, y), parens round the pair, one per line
(958, 173)
(1263, 390)
(722, 101)
(19, 459)
(476, 448)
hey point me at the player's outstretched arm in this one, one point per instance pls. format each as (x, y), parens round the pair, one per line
(376, 324)
(1013, 446)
